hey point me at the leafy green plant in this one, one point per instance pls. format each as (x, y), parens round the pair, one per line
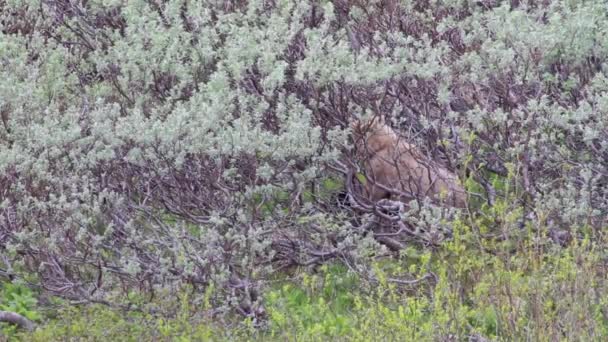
(19, 299)
(320, 307)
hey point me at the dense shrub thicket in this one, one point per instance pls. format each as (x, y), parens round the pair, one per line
(152, 145)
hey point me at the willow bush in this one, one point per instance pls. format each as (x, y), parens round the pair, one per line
(145, 145)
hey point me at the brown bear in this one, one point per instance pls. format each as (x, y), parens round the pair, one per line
(396, 169)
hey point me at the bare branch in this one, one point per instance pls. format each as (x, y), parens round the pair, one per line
(16, 319)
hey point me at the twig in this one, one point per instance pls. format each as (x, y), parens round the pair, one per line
(390, 243)
(414, 281)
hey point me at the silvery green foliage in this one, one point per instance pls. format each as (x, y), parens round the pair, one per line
(141, 141)
(154, 143)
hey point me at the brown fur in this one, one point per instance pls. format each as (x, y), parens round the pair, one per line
(399, 170)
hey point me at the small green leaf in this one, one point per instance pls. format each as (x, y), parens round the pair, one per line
(361, 178)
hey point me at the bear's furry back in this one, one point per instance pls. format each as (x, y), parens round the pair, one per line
(397, 169)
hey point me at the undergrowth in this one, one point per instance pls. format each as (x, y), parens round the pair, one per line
(525, 287)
